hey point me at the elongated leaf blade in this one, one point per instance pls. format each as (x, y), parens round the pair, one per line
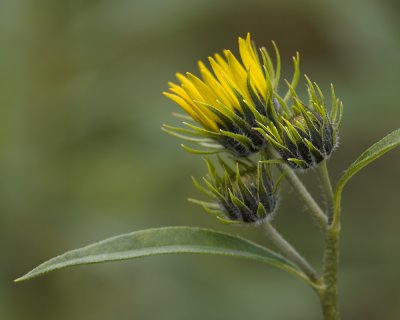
(168, 240)
(378, 149)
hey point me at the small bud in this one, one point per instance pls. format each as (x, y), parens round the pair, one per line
(248, 197)
(307, 135)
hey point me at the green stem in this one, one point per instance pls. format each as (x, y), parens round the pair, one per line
(315, 209)
(329, 296)
(326, 287)
(326, 181)
(289, 251)
(337, 206)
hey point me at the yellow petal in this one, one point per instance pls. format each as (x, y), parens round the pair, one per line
(223, 64)
(183, 104)
(205, 91)
(219, 90)
(225, 81)
(194, 111)
(238, 73)
(189, 87)
(179, 91)
(252, 64)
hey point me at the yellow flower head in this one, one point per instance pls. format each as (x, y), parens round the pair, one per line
(229, 98)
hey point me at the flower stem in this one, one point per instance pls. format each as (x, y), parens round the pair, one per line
(329, 296)
(315, 209)
(326, 287)
(289, 251)
(326, 181)
(328, 290)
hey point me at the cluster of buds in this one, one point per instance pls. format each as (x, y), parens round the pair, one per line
(235, 107)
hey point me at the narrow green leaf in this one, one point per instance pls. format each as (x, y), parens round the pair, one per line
(169, 240)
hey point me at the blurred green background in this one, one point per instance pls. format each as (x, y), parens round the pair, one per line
(82, 157)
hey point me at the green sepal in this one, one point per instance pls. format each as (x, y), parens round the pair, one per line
(261, 211)
(300, 163)
(182, 136)
(227, 181)
(239, 137)
(211, 145)
(196, 151)
(210, 205)
(212, 171)
(278, 181)
(277, 75)
(296, 75)
(227, 221)
(311, 90)
(186, 131)
(182, 116)
(240, 122)
(238, 203)
(214, 190)
(207, 208)
(273, 161)
(296, 136)
(312, 148)
(245, 192)
(261, 189)
(202, 131)
(282, 103)
(226, 166)
(224, 118)
(199, 187)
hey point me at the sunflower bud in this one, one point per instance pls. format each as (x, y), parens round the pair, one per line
(228, 101)
(247, 197)
(306, 135)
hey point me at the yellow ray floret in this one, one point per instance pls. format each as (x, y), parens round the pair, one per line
(253, 65)
(223, 86)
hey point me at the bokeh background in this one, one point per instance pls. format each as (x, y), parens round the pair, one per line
(82, 157)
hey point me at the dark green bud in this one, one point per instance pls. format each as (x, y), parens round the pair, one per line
(305, 140)
(307, 135)
(239, 197)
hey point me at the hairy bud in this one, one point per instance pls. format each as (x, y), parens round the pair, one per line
(248, 197)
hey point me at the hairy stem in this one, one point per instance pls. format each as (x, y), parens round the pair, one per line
(296, 183)
(329, 295)
(326, 287)
(326, 181)
(315, 209)
(289, 251)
